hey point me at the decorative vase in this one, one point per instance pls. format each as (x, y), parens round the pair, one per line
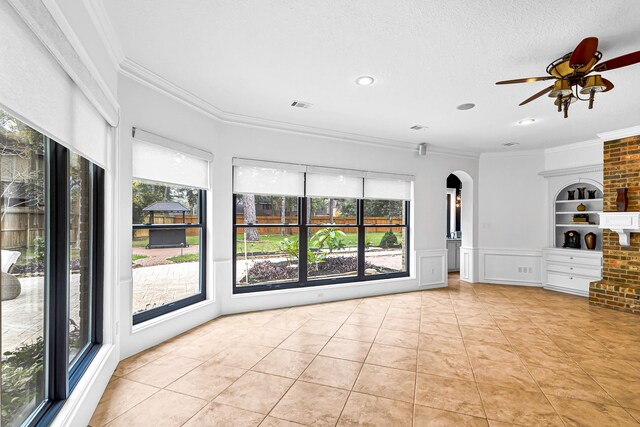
(622, 201)
(572, 194)
(581, 193)
(581, 208)
(590, 240)
(592, 194)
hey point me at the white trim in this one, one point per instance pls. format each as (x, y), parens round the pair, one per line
(566, 290)
(238, 161)
(41, 21)
(140, 74)
(79, 407)
(620, 133)
(335, 171)
(503, 154)
(442, 255)
(596, 167)
(391, 176)
(170, 317)
(509, 252)
(71, 35)
(105, 30)
(146, 136)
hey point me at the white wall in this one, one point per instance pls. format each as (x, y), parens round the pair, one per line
(513, 217)
(574, 155)
(147, 109)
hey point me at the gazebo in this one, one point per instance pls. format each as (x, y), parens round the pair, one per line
(167, 237)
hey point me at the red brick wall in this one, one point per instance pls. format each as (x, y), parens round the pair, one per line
(620, 285)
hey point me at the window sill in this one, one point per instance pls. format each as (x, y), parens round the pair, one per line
(168, 317)
(321, 288)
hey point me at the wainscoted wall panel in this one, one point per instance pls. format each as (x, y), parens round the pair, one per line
(511, 266)
(469, 265)
(432, 268)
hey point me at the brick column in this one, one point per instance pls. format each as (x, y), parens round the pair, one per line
(619, 288)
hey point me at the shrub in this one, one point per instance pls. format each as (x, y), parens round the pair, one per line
(22, 379)
(389, 240)
(267, 271)
(38, 249)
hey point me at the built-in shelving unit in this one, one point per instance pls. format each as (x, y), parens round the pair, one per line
(565, 209)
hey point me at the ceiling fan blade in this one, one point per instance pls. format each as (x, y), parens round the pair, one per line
(537, 95)
(608, 84)
(620, 61)
(584, 52)
(525, 80)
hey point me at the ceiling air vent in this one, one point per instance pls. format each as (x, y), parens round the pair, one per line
(418, 127)
(510, 144)
(300, 104)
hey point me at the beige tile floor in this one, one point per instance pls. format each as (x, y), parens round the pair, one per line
(463, 356)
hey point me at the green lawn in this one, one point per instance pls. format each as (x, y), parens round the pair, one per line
(185, 258)
(269, 243)
(137, 257)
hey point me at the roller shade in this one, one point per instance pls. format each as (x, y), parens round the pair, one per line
(254, 177)
(387, 186)
(334, 183)
(161, 160)
(35, 89)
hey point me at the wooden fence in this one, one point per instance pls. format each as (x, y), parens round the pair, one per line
(321, 220)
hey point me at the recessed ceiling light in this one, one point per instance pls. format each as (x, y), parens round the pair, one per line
(525, 122)
(365, 80)
(467, 106)
(511, 144)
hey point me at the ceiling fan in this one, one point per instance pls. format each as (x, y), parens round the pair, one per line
(574, 70)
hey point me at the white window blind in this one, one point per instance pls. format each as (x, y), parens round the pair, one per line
(254, 177)
(35, 88)
(334, 183)
(387, 186)
(161, 160)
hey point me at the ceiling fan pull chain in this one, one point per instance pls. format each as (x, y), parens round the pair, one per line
(559, 103)
(566, 107)
(591, 98)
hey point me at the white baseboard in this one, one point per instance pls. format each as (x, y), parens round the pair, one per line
(566, 290)
(79, 407)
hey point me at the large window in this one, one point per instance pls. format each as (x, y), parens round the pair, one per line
(51, 235)
(167, 248)
(307, 238)
(169, 227)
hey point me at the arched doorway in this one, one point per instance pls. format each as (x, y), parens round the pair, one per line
(460, 233)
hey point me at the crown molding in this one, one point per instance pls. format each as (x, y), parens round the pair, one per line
(574, 146)
(104, 28)
(140, 74)
(596, 167)
(620, 133)
(506, 154)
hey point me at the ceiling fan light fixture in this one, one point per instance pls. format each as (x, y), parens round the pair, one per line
(572, 99)
(594, 84)
(560, 88)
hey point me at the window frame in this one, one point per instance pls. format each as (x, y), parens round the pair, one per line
(200, 296)
(303, 226)
(60, 376)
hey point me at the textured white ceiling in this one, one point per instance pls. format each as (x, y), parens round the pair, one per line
(254, 57)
